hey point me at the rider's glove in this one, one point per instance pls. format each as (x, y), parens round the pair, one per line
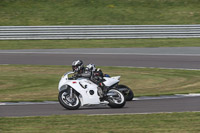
(78, 75)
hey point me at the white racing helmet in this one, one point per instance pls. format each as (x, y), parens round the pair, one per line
(91, 67)
(77, 65)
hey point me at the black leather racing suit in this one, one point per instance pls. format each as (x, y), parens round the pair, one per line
(95, 76)
(84, 73)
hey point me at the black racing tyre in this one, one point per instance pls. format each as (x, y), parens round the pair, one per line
(67, 102)
(116, 99)
(128, 96)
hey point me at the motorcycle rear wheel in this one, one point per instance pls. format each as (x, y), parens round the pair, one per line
(128, 96)
(116, 99)
(68, 102)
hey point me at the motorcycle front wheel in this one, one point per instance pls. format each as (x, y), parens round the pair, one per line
(116, 99)
(69, 101)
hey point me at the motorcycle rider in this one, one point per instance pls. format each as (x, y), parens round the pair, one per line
(79, 69)
(90, 71)
(97, 78)
(96, 74)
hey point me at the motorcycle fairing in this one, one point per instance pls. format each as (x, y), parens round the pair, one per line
(84, 87)
(109, 81)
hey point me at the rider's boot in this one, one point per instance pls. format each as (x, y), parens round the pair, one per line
(105, 90)
(100, 92)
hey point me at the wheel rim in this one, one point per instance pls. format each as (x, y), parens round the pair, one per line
(118, 98)
(70, 101)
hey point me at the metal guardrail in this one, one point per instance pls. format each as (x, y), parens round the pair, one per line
(99, 32)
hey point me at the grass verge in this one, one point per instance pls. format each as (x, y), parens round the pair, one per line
(142, 123)
(99, 12)
(108, 43)
(39, 83)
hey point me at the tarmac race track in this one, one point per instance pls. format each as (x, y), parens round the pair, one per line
(186, 58)
(179, 58)
(183, 104)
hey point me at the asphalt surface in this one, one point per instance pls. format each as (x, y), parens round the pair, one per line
(184, 58)
(132, 107)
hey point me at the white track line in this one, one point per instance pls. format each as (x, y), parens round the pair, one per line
(84, 53)
(134, 99)
(168, 97)
(160, 68)
(141, 113)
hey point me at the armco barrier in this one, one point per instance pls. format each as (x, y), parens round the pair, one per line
(99, 32)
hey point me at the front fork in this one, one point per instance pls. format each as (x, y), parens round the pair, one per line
(71, 97)
(70, 92)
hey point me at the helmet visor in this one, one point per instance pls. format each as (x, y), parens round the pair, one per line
(74, 68)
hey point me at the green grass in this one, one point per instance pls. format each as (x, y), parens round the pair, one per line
(110, 43)
(39, 83)
(99, 12)
(140, 123)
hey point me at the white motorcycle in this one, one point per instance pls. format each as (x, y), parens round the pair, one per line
(75, 92)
